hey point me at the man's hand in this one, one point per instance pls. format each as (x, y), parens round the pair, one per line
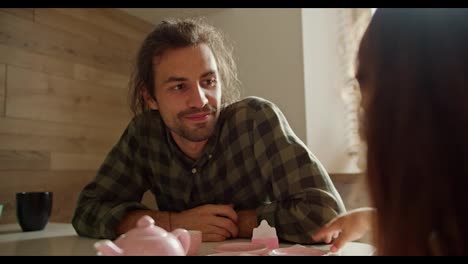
(247, 221)
(217, 222)
(347, 227)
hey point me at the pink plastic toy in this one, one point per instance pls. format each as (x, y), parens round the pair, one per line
(265, 234)
(146, 239)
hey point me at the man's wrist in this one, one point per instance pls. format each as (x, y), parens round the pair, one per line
(247, 221)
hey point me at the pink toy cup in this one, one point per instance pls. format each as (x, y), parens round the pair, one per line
(236, 248)
(195, 242)
(270, 243)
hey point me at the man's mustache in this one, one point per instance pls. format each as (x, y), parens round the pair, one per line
(207, 109)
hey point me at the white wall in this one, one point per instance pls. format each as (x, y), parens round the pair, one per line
(289, 57)
(325, 118)
(268, 47)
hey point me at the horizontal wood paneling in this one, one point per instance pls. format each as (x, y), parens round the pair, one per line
(53, 144)
(15, 56)
(76, 110)
(63, 98)
(40, 83)
(24, 160)
(58, 67)
(84, 29)
(100, 77)
(136, 27)
(27, 13)
(59, 130)
(2, 89)
(73, 161)
(112, 20)
(50, 98)
(42, 39)
(66, 186)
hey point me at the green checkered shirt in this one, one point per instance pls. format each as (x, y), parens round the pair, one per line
(253, 160)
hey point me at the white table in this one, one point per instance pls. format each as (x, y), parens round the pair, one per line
(61, 239)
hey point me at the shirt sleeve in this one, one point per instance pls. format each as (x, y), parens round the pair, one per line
(117, 188)
(303, 195)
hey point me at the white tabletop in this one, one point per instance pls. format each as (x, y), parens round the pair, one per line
(59, 239)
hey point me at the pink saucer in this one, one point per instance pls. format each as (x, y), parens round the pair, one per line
(241, 247)
(297, 251)
(233, 254)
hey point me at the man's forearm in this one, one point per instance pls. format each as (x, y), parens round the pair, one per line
(161, 219)
(247, 221)
(300, 216)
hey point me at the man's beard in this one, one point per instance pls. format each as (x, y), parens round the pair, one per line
(202, 131)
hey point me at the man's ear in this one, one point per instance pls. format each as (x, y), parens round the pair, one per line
(149, 100)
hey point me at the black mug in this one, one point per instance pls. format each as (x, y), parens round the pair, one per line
(33, 209)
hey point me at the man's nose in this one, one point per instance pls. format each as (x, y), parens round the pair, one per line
(197, 97)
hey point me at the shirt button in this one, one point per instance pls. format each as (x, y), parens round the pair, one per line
(194, 170)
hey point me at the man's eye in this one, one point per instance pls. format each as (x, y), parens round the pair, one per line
(211, 82)
(178, 87)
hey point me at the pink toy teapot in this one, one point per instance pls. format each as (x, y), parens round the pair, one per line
(146, 239)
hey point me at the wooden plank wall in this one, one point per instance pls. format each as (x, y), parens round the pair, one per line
(63, 98)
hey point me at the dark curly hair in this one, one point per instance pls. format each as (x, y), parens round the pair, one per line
(180, 33)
